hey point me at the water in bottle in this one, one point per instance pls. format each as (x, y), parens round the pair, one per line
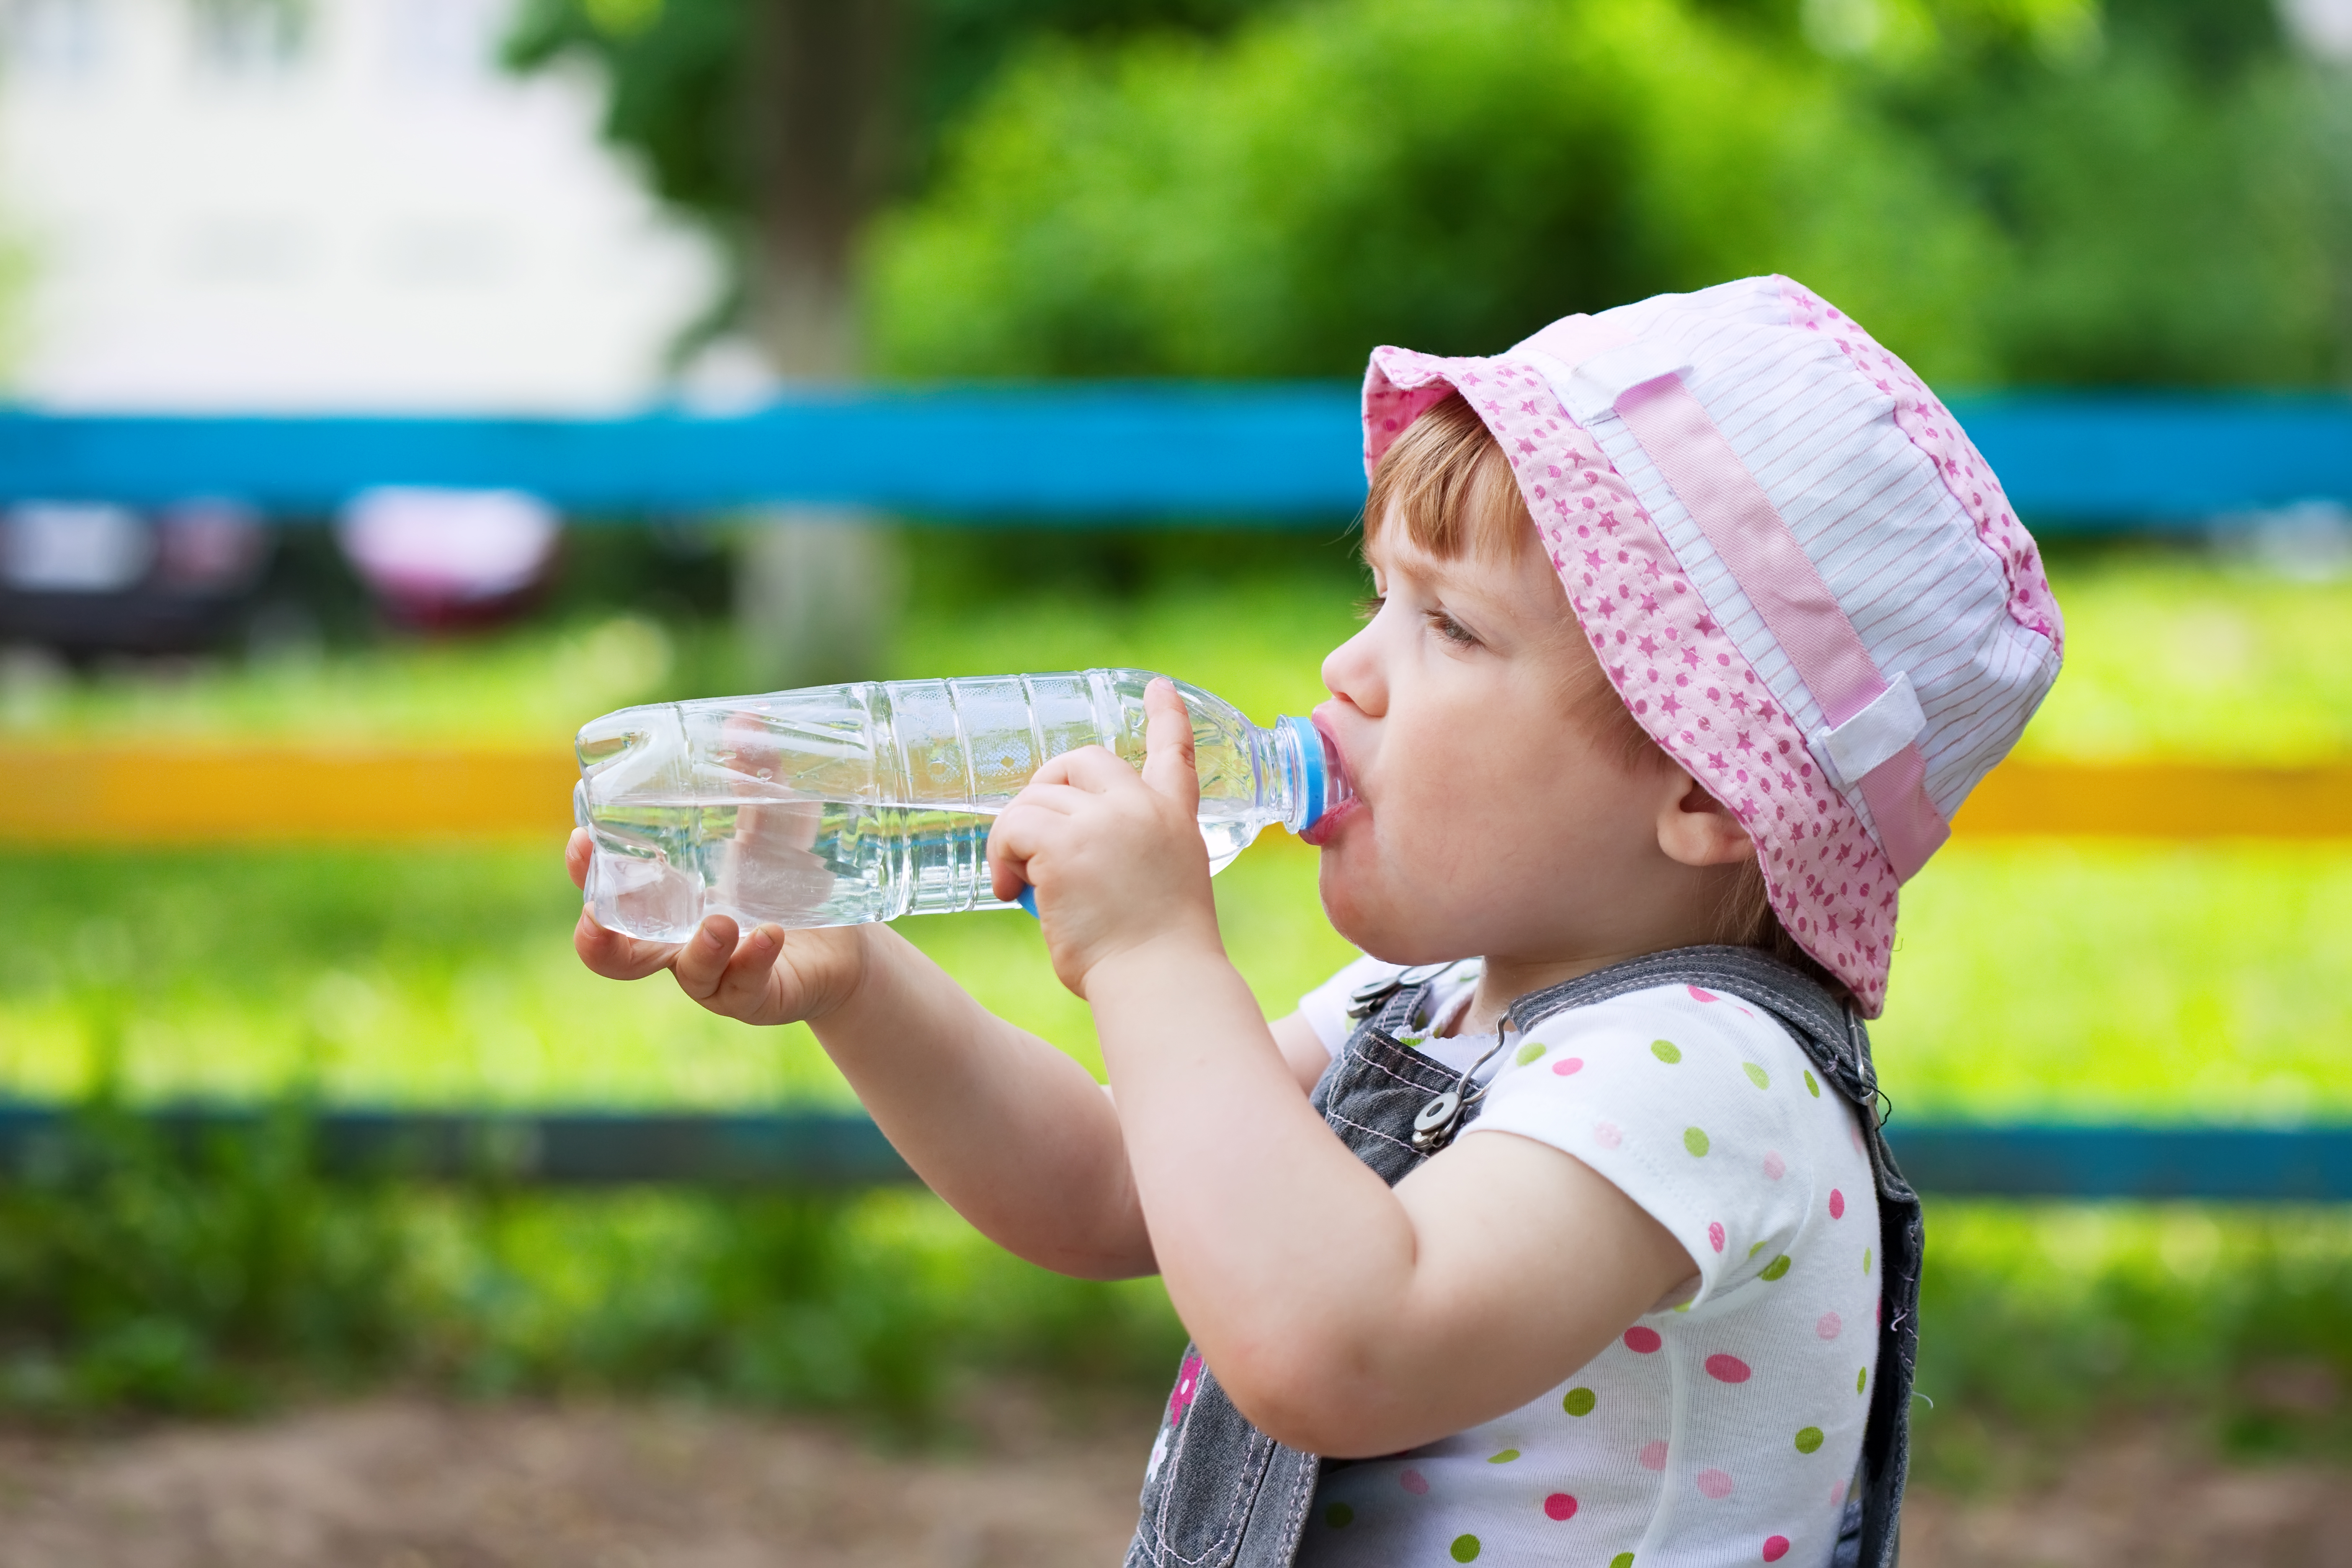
(837, 804)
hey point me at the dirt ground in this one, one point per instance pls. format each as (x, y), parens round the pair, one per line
(408, 1483)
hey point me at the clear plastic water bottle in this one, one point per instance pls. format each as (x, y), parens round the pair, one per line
(838, 804)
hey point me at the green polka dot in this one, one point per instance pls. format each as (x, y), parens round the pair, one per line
(1505, 1458)
(1580, 1401)
(1861, 1379)
(1757, 1075)
(1810, 1087)
(1623, 1559)
(1695, 1141)
(1755, 1249)
(1777, 1267)
(1529, 1053)
(1339, 1515)
(1865, 1260)
(1465, 1549)
(1809, 1439)
(1680, 1307)
(1666, 1051)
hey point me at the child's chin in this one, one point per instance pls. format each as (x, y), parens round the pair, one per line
(1359, 911)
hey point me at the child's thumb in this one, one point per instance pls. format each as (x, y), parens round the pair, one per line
(1168, 744)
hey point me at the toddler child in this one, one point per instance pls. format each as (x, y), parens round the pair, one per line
(1558, 1227)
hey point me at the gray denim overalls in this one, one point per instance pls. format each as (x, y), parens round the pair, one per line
(1226, 1495)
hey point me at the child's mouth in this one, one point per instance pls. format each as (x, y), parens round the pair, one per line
(1347, 802)
(1328, 824)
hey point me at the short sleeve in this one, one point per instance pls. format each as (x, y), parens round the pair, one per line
(1700, 1108)
(1324, 1008)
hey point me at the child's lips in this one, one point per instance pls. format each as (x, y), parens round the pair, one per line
(1329, 823)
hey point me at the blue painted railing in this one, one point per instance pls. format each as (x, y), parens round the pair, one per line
(2311, 1164)
(1274, 453)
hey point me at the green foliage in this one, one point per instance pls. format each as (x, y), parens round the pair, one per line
(137, 1277)
(2005, 190)
(2173, 208)
(1447, 175)
(131, 1277)
(2044, 1316)
(681, 79)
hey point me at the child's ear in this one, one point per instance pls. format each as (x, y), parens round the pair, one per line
(1697, 829)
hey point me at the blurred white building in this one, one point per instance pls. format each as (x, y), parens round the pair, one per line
(277, 205)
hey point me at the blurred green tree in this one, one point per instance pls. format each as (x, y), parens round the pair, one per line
(2007, 190)
(779, 124)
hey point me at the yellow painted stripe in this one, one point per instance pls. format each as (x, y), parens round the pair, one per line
(274, 795)
(2158, 800)
(116, 795)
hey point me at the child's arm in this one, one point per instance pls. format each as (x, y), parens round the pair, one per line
(1013, 1133)
(1343, 1317)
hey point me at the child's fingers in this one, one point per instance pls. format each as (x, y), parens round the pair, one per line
(1022, 828)
(1093, 769)
(1167, 765)
(743, 988)
(578, 850)
(703, 960)
(1011, 842)
(615, 956)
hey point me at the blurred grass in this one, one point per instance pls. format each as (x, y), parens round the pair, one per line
(2033, 980)
(2163, 646)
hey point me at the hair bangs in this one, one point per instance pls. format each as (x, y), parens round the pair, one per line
(1446, 481)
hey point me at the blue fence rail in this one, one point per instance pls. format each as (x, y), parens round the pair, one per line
(1276, 454)
(830, 1150)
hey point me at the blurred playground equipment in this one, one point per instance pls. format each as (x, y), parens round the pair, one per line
(1274, 456)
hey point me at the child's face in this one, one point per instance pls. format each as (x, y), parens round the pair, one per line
(1488, 820)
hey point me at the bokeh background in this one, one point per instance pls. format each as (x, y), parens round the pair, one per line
(576, 206)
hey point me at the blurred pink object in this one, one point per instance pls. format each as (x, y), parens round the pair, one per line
(450, 558)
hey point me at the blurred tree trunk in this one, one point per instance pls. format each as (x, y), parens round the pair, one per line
(821, 120)
(816, 588)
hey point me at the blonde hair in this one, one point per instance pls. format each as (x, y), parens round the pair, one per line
(1446, 481)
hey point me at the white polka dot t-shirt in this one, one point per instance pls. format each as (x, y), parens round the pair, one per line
(1723, 1430)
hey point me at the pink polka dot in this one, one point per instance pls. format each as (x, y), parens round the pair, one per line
(1715, 1484)
(1559, 1505)
(1414, 1483)
(1837, 1204)
(1605, 1133)
(1653, 1455)
(1775, 1167)
(1828, 1325)
(1642, 1340)
(1728, 1369)
(1837, 1494)
(1567, 1065)
(1775, 1548)
(1698, 995)
(1714, 1234)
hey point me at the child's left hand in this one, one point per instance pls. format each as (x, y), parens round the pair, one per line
(1116, 856)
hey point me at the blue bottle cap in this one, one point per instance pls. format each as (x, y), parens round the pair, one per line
(1028, 900)
(1310, 751)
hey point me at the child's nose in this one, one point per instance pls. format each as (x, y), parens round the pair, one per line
(1352, 673)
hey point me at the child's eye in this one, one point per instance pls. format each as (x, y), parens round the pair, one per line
(1452, 630)
(1368, 606)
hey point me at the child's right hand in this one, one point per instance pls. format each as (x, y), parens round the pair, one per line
(762, 976)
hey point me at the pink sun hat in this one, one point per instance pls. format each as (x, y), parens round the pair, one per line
(1796, 570)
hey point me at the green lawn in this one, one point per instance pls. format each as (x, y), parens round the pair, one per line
(2031, 978)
